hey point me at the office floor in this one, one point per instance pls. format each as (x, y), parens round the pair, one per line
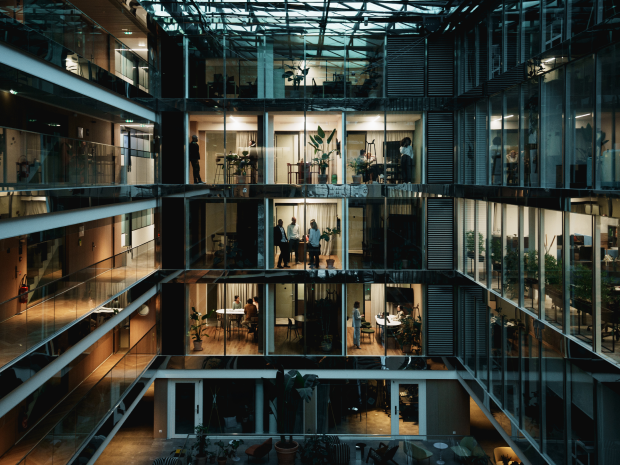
(322, 263)
(28, 328)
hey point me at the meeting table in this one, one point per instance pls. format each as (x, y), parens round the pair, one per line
(392, 325)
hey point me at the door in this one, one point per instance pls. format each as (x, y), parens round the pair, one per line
(184, 407)
(408, 408)
(286, 151)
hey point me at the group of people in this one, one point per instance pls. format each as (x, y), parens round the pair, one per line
(288, 242)
(407, 159)
(250, 310)
(401, 312)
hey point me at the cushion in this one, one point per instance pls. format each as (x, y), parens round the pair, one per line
(260, 450)
(339, 454)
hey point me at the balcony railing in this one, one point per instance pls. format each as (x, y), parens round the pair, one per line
(60, 444)
(35, 160)
(59, 303)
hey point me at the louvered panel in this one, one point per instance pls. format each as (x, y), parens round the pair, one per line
(440, 321)
(440, 233)
(508, 79)
(440, 66)
(405, 67)
(440, 148)
(467, 331)
(469, 140)
(482, 53)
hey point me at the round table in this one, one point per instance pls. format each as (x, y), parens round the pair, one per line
(441, 446)
(229, 311)
(361, 445)
(392, 323)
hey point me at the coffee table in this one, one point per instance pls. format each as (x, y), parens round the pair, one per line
(441, 446)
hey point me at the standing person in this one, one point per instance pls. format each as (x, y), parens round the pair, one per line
(292, 231)
(314, 238)
(280, 240)
(406, 159)
(250, 312)
(357, 324)
(194, 157)
(255, 302)
(237, 305)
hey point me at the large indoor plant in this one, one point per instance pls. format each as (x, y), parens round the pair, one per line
(314, 450)
(326, 235)
(197, 324)
(360, 167)
(408, 335)
(470, 244)
(224, 452)
(321, 154)
(291, 390)
(241, 166)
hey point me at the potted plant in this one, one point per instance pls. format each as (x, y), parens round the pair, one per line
(241, 166)
(319, 144)
(201, 445)
(326, 309)
(314, 451)
(295, 78)
(291, 390)
(408, 335)
(198, 323)
(235, 443)
(470, 244)
(224, 452)
(326, 236)
(360, 166)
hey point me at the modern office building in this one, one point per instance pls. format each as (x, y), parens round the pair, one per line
(423, 156)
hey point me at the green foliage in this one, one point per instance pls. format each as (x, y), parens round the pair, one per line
(240, 163)
(409, 333)
(319, 144)
(314, 450)
(328, 233)
(505, 459)
(198, 323)
(202, 440)
(224, 450)
(359, 165)
(469, 242)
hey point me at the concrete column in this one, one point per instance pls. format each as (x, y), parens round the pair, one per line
(258, 407)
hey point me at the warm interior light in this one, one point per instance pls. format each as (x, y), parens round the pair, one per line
(581, 116)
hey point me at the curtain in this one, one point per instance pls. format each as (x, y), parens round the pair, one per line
(497, 218)
(377, 301)
(35, 207)
(330, 146)
(400, 207)
(325, 216)
(244, 138)
(245, 291)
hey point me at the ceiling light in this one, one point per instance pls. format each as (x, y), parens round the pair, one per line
(550, 59)
(581, 116)
(509, 116)
(128, 33)
(14, 92)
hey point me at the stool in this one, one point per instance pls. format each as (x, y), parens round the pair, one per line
(219, 169)
(367, 331)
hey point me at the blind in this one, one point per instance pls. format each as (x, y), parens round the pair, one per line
(440, 66)
(440, 148)
(440, 321)
(405, 67)
(440, 233)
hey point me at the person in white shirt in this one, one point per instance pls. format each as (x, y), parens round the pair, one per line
(292, 231)
(314, 238)
(357, 324)
(406, 159)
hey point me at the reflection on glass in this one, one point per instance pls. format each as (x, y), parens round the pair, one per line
(207, 248)
(529, 134)
(553, 390)
(470, 238)
(530, 259)
(404, 234)
(532, 398)
(496, 255)
(323, 319)
(608, 131)
(551, 124)
(366, 239)
(496, 342)
(530, 27)
(511, 138)
(325, 65)
(553, 267)
(581, 255)
(468, 145)
(610, 278)
(512, 253)
(481, 218)
(553, 23)
(229, 405)
(580, 122)
(364, 67)
(495, 139)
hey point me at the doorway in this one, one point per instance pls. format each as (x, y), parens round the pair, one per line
(184, 401)
(408, 408)
(286, 152)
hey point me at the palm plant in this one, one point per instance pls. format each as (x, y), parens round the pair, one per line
(319, 144)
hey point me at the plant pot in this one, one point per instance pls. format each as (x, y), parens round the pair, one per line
(405, 263)
(240, 179)
(201, 460)
(221, 461)
(330, 263)
(357, 179)
(212, 459)
(197, 345)
(326, 345)
(286, 456)
(322, 179)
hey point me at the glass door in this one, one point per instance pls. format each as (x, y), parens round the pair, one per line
(184, 407)
(408, 408)
(287, 154)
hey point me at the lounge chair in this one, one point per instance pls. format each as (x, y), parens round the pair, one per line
(416, 452)
(382, 455)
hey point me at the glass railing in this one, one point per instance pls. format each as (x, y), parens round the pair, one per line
(64, 36)
(44, 161)
(64, 440)
(51, 307)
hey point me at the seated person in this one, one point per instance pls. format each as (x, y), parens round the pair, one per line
(250, 312)
(237, 305)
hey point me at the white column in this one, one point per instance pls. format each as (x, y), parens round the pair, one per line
(258, 408)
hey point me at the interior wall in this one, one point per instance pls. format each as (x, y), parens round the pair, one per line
(11, 273)
(81, 255)
(447, 408)
(160, 417)
(139, 325)
(85, 366)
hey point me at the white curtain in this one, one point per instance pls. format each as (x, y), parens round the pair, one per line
(245, 291)
(377, 301)
(244, 138)
(35, 207)
(403, 207)
(325, 216)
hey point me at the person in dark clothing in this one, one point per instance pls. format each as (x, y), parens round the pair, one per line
(194, 156)
(281, 240)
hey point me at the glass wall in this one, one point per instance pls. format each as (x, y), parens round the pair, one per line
(405, 230)
(607, 147)
(366, 233)
(495, 138)
(581, 256)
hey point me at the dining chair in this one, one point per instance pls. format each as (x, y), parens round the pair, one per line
(293, 170)
(219, 325)
(292, 327)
